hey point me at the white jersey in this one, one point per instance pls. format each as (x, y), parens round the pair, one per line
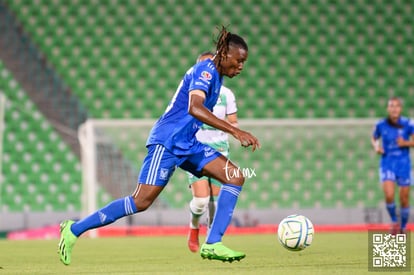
(226, 105)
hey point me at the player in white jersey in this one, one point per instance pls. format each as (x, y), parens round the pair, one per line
(205, 188)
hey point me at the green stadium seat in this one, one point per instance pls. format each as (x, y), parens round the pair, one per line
(29, 136)
(307, 59)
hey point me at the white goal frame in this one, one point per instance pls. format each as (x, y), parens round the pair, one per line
(88, 140)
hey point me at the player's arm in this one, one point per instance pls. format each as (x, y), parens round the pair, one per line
(197, 109)
(410, 142)
(376, 145)
(405, 143)
(232, 119)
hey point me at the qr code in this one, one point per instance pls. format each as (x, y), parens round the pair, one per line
(389, 251)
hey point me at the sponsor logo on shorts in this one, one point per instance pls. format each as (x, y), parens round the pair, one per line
(208, 152)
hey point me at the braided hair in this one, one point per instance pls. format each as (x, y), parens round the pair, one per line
(224, 40)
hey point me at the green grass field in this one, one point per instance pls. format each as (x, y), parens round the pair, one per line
(330, 253)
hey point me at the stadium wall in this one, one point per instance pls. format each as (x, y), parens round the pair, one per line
(180, 217)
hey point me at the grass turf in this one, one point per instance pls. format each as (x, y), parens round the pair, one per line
(330, 253)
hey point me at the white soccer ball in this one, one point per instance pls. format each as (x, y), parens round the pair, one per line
(295, 232)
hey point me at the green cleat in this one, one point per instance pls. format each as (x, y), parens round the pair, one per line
(217, 251)
(67, 241)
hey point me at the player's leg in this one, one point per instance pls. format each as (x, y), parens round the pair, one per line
(405, 207)
(198, 205)
(215, 185)
(139, 201)
(388, 187)
(203, 191)
(403, 175)
(70, 230)
(388, 180)
(208, 162)
(199, 202)
(214, 192)
(224, 171)
(203, 198)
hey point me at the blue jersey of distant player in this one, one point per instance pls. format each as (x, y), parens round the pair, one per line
(395, 163)
(176, 128)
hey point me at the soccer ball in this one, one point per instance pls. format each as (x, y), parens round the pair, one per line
(295, 232)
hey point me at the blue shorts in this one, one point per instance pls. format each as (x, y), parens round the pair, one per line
(396, 171)
(159, 164)
(224, 150)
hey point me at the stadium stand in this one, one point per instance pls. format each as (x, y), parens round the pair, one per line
(41, 172)
(123, 50)
(308, 59)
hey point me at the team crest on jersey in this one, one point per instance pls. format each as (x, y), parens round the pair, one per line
(206, 75)
(163, 174)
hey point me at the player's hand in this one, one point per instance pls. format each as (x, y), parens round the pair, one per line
(379, 150)
(377, 147)
(401, 142)
(246, 139)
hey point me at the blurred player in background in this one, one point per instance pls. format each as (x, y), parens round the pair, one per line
(172, 143)
(396, 133)
(204, 189)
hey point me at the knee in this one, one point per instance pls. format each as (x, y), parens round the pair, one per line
(142, 205)
(198, 205)
(237, 181)
(389, 197)
(405, 202)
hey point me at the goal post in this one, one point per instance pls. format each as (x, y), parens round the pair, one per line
(303, 163)
(109, 164)
(86, 137)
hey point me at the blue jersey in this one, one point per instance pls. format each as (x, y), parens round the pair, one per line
(389, 135)
(176, 128)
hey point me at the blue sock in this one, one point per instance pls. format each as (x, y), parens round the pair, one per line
(226, 203)
(405, 214)
(110, 213)
(391, 211)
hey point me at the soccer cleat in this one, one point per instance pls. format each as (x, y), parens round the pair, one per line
(193, 243)
(218, 251)
(395, 228)
(66, 243)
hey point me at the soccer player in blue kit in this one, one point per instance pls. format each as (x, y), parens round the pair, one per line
(205, 189)
(396, 133)
(172, 143)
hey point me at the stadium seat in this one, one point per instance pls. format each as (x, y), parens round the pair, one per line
(31, 153)
(311, 60)
(125, 28)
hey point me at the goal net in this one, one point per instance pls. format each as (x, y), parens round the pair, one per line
(317, 163)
